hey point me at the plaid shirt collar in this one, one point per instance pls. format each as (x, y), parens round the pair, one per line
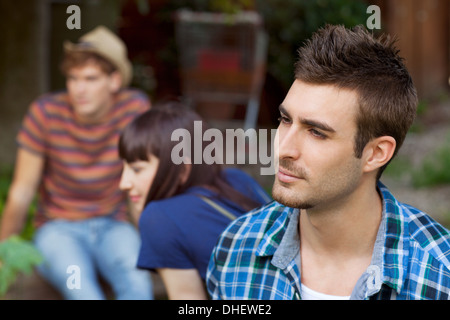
(410, 258)
(395, 242)
(390, 252)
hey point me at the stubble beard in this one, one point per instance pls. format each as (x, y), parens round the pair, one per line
(330, 191)
(282, 194)
(285, 193)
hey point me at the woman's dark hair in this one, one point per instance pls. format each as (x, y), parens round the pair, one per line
(151, 132)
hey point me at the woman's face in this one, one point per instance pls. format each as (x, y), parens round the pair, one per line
(137, 178)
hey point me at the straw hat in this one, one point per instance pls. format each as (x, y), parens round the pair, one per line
(106, 44)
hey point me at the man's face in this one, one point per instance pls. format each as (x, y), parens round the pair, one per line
(91, 91)
(317, 165)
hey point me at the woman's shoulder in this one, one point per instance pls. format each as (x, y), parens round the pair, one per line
(173, 206)
(235, 174)
(246, 184)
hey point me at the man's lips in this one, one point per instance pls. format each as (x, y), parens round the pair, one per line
(286, 176)
(80, 99)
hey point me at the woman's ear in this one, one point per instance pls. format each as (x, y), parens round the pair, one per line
(378, 152)
(186, 172)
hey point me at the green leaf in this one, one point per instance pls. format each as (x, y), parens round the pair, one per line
(16, 256)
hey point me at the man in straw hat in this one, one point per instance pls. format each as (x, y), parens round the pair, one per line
(67, 152)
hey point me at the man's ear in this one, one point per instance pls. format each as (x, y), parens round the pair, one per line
(116, 81)
(378, 152)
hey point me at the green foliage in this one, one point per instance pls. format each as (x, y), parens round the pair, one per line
(398, 167)
(16, 256)
(432, 171)
(5, 181)
(6, 173)
(229, 6)
(143, 6)
(290, 22)
(435, 169)
(222, 6)
(418, 125)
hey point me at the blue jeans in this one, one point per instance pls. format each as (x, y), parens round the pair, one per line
(75, 252)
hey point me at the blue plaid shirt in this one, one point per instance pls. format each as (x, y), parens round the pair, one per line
(257, 256)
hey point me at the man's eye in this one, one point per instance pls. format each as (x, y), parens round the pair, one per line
(317, 134)
(283, 119)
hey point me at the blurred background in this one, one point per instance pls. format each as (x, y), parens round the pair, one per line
(31, 50)
(160, 48)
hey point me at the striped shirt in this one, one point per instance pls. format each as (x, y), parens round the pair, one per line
(257, 256)
(82, 169)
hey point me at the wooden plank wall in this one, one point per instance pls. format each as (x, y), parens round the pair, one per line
(423, 29)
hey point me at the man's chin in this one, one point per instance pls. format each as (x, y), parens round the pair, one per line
(289, 198)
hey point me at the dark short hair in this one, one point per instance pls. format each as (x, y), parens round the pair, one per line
(355, 59)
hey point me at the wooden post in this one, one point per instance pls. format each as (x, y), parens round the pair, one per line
(422, 27)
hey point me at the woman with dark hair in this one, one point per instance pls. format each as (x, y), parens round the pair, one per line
(181, 208)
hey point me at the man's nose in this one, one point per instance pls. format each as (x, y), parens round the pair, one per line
(290, 143)
(79, 86)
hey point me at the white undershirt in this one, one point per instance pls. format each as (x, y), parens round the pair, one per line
(309, 294)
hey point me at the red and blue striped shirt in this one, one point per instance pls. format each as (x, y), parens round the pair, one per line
(82, 167)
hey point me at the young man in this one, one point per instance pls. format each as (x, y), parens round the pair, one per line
(335, 231)
(68, 151)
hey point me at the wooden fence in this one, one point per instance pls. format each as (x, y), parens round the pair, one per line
(423, 29)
